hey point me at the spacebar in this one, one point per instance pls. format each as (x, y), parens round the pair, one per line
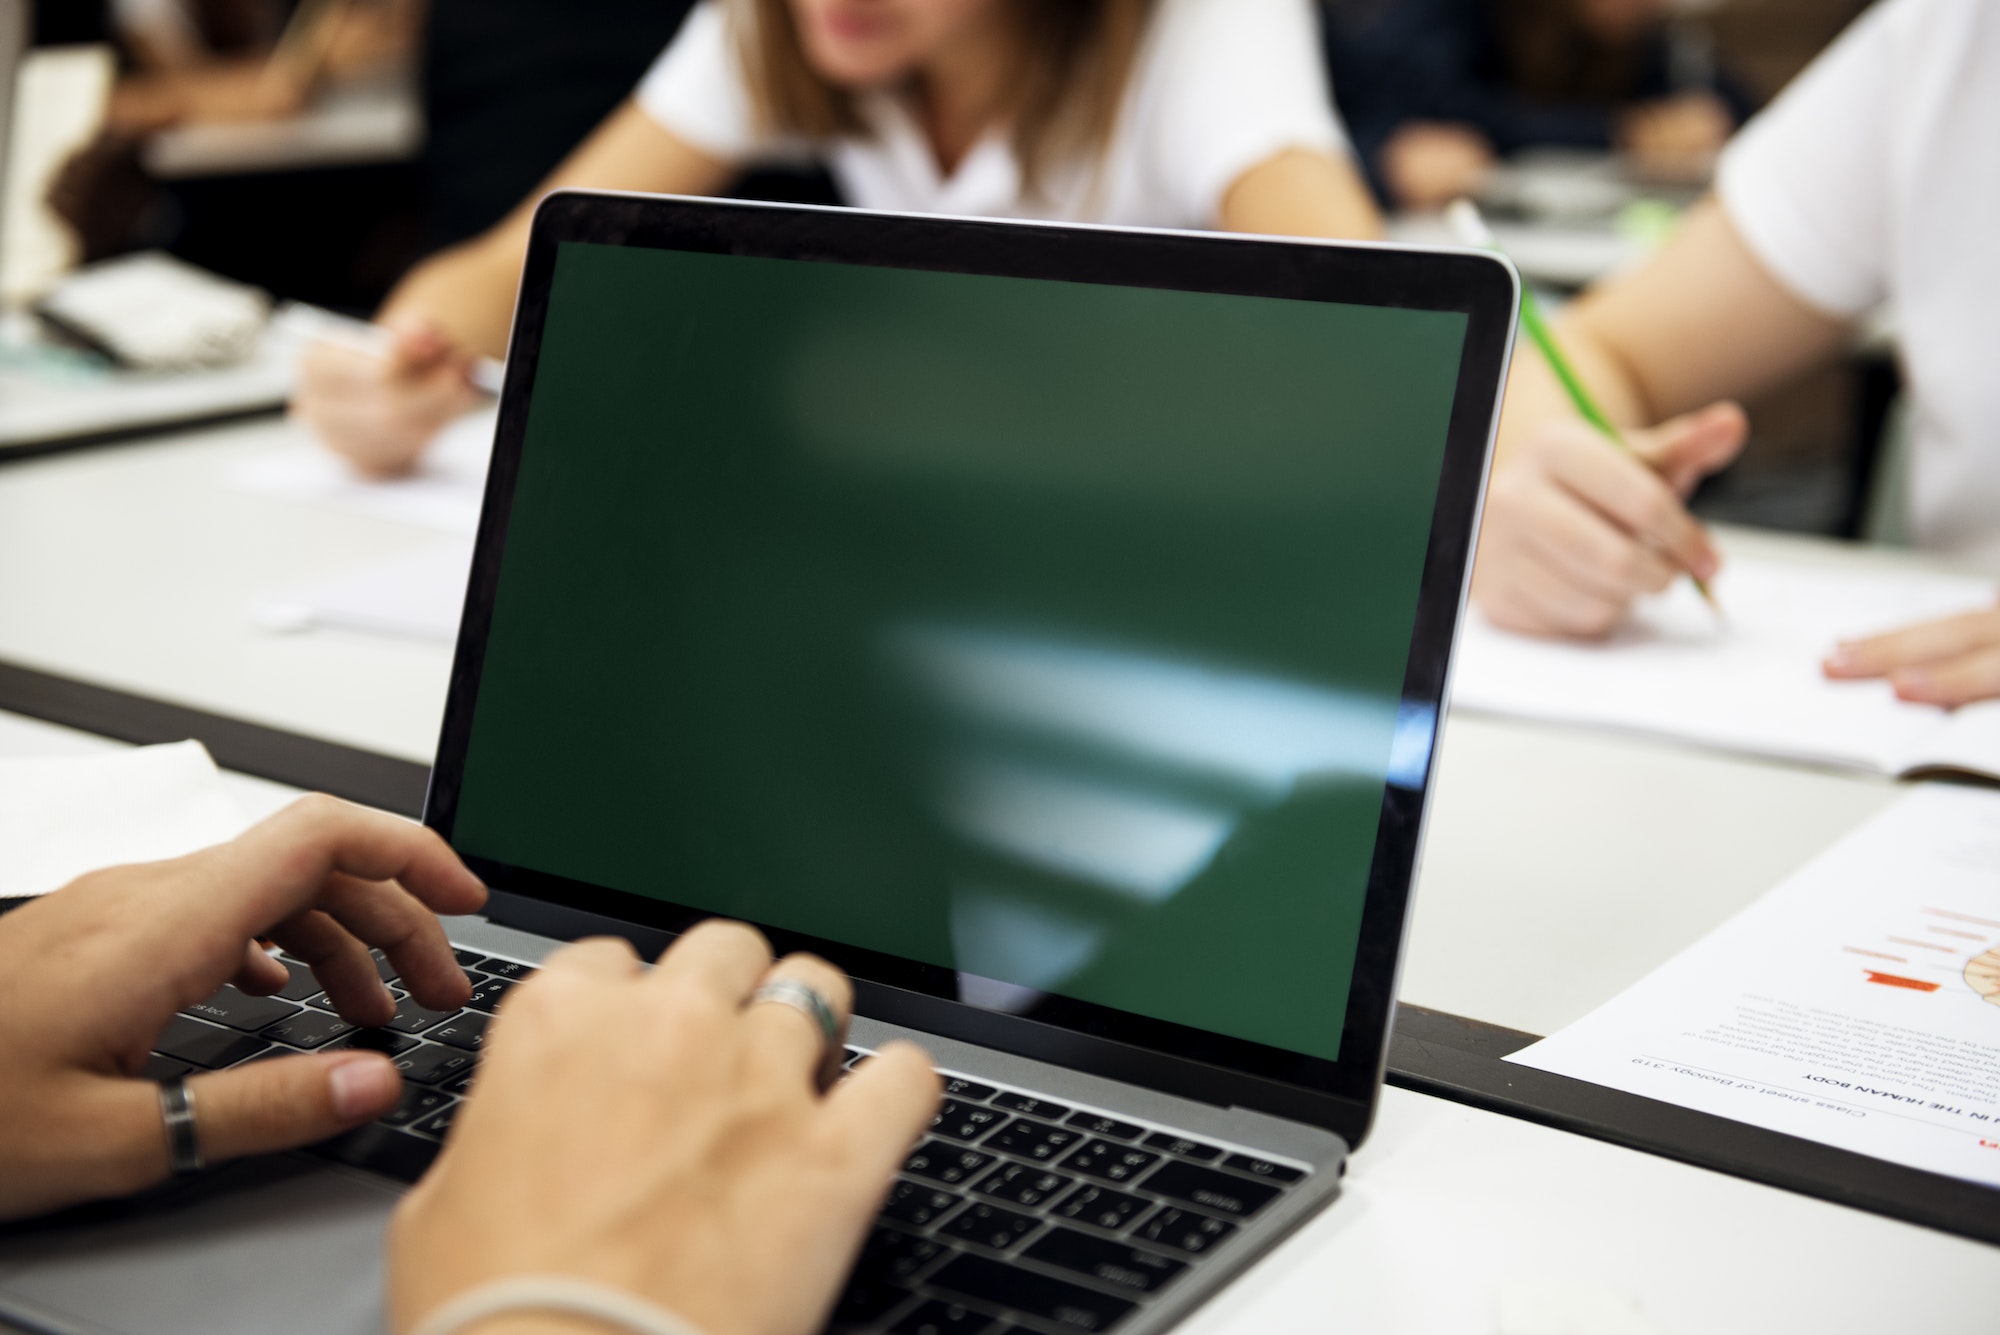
(1031, 1294)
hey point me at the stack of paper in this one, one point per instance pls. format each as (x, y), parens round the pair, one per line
(1751, 682)
(61, 816)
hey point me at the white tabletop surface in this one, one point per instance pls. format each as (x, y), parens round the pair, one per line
(1560, 867)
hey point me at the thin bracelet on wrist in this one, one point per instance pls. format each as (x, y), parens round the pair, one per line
(553, 1295)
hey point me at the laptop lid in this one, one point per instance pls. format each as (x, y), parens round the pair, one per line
(1049, 625)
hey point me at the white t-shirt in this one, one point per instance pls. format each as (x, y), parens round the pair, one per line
(1219, 86)
(1875, 178)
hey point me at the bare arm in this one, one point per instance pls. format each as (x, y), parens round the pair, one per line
(1301, 193)
(468, 291)
(1701, 321)
(380, 412)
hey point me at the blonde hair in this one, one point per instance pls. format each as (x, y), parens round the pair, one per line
(1075, 58)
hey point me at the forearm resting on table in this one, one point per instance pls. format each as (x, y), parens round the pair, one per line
(468, 291)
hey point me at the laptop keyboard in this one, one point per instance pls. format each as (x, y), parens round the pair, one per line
(1015, 1215)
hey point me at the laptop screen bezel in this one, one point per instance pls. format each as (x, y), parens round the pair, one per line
(1338, 1094)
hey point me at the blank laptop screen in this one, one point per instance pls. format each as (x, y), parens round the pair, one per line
(1049, 632)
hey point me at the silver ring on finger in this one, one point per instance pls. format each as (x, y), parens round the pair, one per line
(810, 1002)
(177, 1115)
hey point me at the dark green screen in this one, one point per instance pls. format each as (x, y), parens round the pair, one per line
(1053, 632)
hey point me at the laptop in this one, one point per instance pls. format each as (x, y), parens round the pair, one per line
(1049, 625)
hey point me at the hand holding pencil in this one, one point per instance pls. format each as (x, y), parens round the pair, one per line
(1581, 516)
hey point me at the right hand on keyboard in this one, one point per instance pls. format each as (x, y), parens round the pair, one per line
(649, 1132)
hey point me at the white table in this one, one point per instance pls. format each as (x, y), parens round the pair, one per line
(133, 567)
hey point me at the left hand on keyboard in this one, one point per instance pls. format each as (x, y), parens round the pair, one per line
(91, 974)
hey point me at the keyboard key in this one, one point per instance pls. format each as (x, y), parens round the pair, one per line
(460, 1085)
(941, 1161)
(486, 994)
(462, 1031)
(380, 1149)
(893, 1255)
(1055, 1300)
(308, 1029)
(1221, 1192)
(416, 1103)
(964, 1121)
(1033, 1140)
(1182, 1146)
(469, 959)
(429, 1064)
(414, 1019)
(386, 970)
(378, 1040)
(1096, 1124)
(914, 1204)
(240, 1010)
(1111, 1162)
(302, 985)
(991, 1226)
(1034, 1107)
(1102, 1259)
(438, 1123)
(1107, 1209)
(270, 1054)
(509, 970)
(1019, 1184)
(958, 1087)
(1184, 1230)
(1276, 1172)
(866, 1300)
(163, 1068)
(206, 1045)
(937, 1317)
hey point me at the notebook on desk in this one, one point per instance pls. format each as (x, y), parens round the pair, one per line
(1048, 625)
(1750, 683)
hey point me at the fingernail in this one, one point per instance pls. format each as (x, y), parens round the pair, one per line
(1913, 681)
(360, 1088)
(1842, 659)
(1706, 565)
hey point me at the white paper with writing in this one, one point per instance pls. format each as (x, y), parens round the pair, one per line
(1857, 1004)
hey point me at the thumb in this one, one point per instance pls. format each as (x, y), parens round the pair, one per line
(289, 1101)
(1686, 449)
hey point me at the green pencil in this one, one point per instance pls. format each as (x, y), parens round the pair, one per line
(1465, 220)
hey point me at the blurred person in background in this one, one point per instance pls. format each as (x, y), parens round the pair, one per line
(1436, 92)
(1177, 113)
(1870, 183)
(194, 62)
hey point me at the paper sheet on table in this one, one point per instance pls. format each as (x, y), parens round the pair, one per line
(61, 816)
(417, 596)
(1857, 1004)
(443, 494)
(1751, 683)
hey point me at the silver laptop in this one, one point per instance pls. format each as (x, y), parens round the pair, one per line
(1049, 625)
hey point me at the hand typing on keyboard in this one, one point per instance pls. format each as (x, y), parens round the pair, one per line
(91, 975)
(652, 1133)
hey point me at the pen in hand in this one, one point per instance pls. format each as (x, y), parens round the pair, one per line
(1471, 228)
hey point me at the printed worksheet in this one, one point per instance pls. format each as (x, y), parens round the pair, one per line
(1857, 1004)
